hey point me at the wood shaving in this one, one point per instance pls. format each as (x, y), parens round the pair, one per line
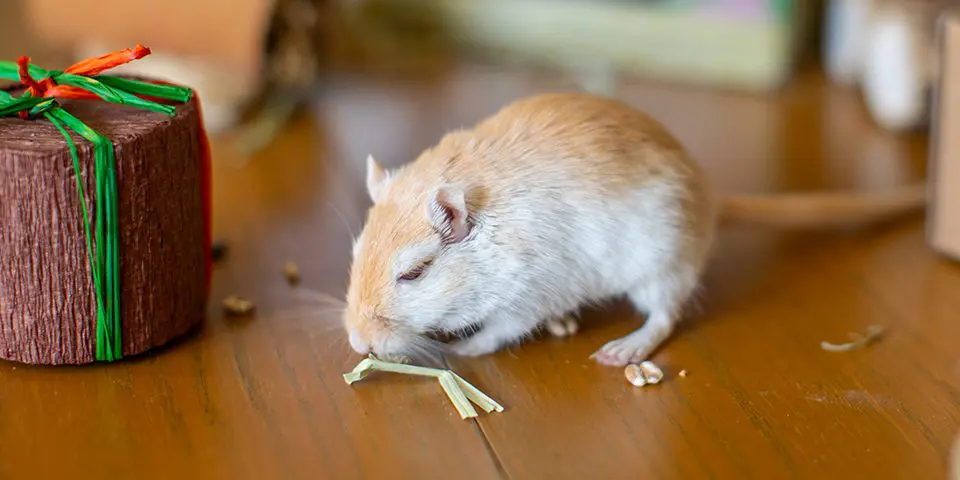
(292, 273)
(236, 306)
(874, 332)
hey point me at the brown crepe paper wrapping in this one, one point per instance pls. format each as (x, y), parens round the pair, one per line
(47, 306)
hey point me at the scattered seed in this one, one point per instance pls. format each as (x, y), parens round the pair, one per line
(292, 273)
(634, 375)
(218, 250)
(237, 306)
(651, 372)
(645, 373)
(874, 332)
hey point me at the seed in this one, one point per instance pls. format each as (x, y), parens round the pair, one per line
(634, 375)
(291, 272)
(218, 250)
(237, 306)
(651, 372)
(683, 373)
(643, 374)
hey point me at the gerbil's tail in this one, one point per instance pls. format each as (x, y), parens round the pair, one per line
(820, 210)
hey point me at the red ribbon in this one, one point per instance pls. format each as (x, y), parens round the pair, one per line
(88, 67)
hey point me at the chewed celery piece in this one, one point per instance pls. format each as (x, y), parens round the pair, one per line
(460, 401)
(459, 391)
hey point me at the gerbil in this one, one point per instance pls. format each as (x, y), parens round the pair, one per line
(555, 202)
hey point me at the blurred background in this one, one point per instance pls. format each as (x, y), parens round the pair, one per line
(257, 60)
(821, 93)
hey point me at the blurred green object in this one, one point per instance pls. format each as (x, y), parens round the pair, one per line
(737, 44)
(784, 9)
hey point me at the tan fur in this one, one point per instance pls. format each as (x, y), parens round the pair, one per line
(374, 265)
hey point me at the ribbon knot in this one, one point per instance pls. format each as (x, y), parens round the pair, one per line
(49, 86)
(34, 88)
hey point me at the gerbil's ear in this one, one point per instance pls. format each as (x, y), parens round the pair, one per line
(447, 211)
(376, 177)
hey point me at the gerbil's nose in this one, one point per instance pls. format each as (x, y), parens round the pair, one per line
(358, 345)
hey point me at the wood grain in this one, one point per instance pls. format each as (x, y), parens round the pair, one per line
(263, 397)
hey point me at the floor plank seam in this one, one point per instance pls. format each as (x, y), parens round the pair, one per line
(492, 452)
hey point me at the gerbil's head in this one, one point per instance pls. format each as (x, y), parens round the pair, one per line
(410, 274)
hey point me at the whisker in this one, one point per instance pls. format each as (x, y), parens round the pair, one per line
(329, 332)
(427, 350)
(318, 297)
(318, 315)
(312, 308)
(353, 235)
(327, 328)
(335, 342)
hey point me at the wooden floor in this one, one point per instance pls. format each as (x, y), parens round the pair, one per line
(264, 398)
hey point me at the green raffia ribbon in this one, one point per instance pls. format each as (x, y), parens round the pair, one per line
(103, 238)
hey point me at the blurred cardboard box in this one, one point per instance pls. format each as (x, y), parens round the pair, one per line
(229, 33)
(943, 216)
(214, 46)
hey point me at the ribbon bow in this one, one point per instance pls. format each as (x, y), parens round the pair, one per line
(84, 81)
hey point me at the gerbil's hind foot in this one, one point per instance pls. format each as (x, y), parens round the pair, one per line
(564, 326)
(637, 346)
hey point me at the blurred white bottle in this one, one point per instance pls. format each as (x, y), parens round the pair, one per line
(844, 39)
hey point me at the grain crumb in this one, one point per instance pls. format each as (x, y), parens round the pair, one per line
(396, 359)
(291, 272)
(237, 306)
(683, 373)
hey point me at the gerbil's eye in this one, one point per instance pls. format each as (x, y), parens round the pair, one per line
(415, 273)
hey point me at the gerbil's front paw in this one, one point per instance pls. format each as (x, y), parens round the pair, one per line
(472, 347)
(563, 326)
(620, 352)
